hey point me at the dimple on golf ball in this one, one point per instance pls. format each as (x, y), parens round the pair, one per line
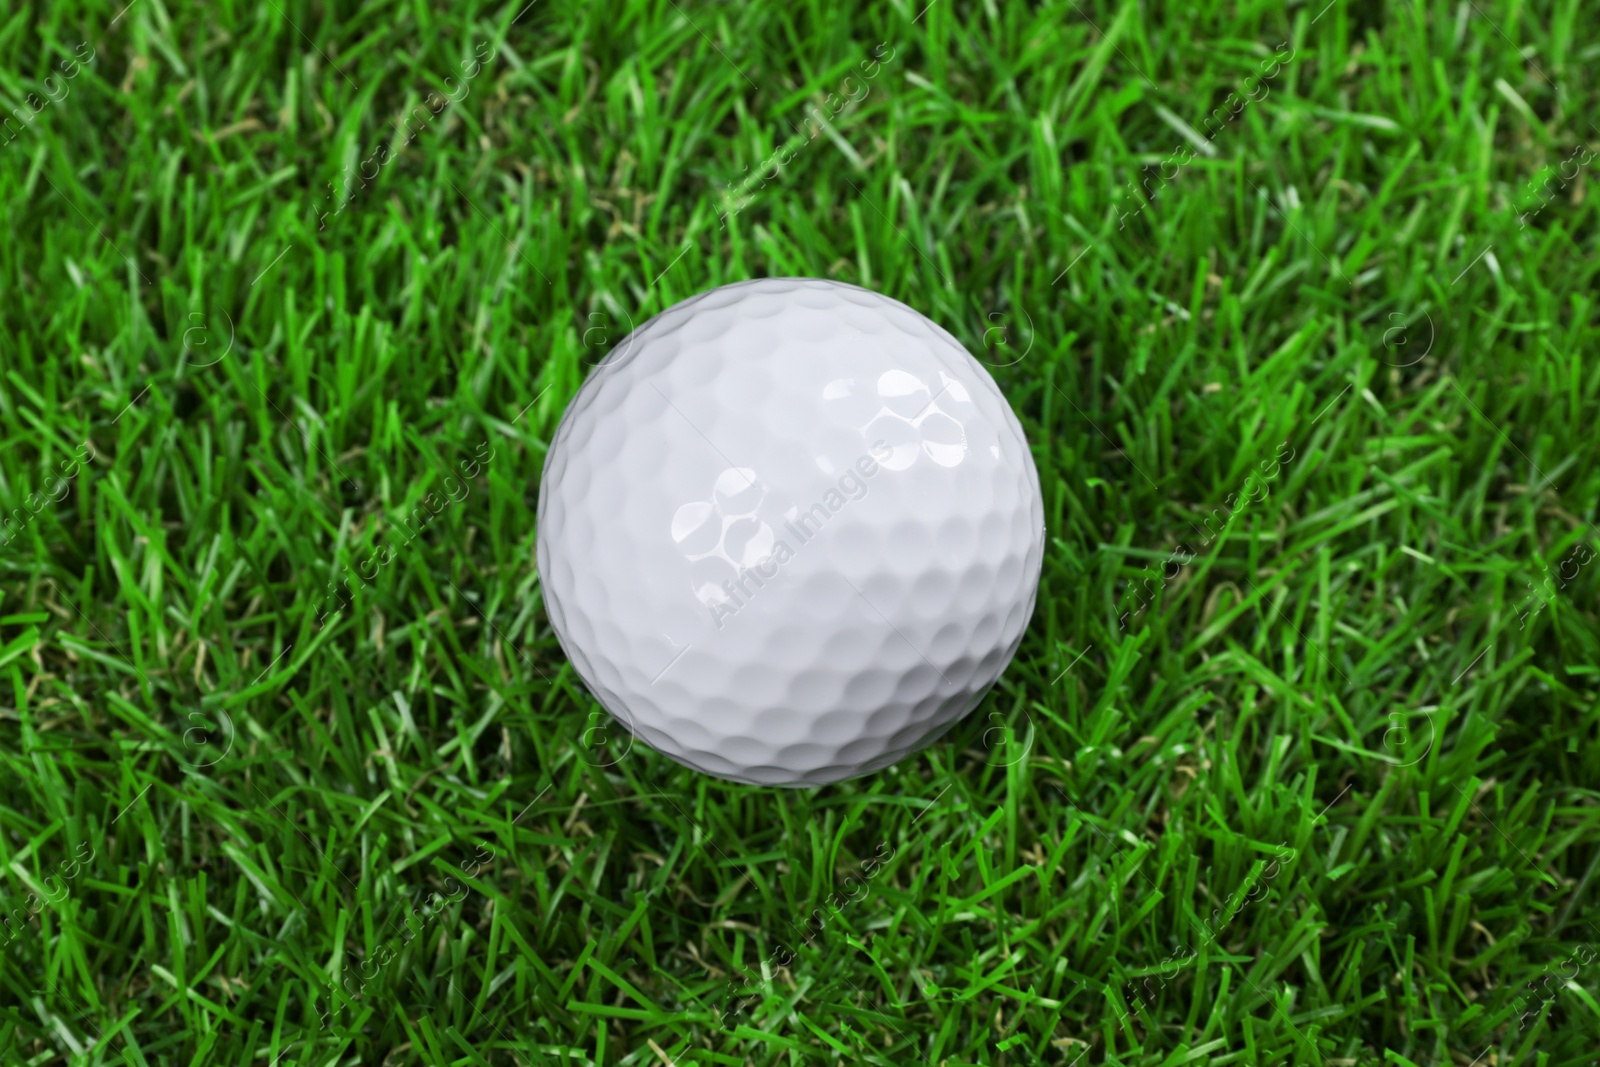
(789, 532)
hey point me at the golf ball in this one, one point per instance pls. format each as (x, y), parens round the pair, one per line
(789, 532)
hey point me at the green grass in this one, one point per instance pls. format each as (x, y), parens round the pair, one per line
(1297, 763)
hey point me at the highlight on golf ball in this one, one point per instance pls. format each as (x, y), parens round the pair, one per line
(789, 532)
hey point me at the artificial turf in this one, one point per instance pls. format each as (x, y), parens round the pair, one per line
(1296, 764)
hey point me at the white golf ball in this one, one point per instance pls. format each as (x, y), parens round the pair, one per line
(789, 532)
